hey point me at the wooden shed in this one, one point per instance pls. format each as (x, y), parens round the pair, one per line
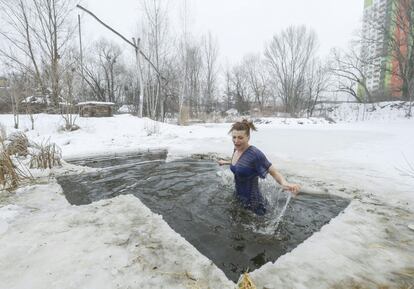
(95, 109)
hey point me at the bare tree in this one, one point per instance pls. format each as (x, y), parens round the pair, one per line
(156, 40)
(228, 89)
(289, 54)
(18, 33)
(15, 104)
(240, 90)
(410, 98)
(53, 33)
(109, 58)
(5, 100)
(317, 80)
(94, 77)
(104, 71)
(257, 79)
(210, 54)
(195, 66)
(70, 87)
(173, 75)
(38, 30)
(350, 68)
(17, 89)
(183, 45)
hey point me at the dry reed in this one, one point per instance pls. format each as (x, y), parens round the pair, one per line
(245, 282)
(46, 155)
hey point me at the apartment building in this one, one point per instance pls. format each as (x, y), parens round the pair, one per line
(379, 65)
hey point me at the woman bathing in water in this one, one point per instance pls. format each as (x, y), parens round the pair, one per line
(248, 163)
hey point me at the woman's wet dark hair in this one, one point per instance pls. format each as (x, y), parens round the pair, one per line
(244, 125)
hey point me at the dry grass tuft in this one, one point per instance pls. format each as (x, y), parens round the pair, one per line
(17, 144)
(10, 174)
(3, 134)
(184, 116)
(245, 282)
(46, 156)
(9, 178)
(404, 280)
(408, 170)
(407, 277)
(407, 272)
(151, 127)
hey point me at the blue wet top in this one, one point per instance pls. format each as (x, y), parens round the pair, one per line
(251, 165)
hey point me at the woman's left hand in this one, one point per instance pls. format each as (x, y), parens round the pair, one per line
(293, 188)
(223, 162)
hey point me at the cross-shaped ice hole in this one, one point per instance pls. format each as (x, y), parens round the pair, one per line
(195, 197)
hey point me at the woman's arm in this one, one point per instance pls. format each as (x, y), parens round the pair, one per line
(293, 188)
(224, 162)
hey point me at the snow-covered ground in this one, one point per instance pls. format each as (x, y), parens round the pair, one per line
(119, 243)
(350, 112)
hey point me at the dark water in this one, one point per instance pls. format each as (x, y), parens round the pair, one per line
(195, 198)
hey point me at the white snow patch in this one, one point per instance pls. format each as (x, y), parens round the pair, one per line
(7, 215)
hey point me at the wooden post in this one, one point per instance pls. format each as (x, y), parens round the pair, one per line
(81, 60)
(140, 80)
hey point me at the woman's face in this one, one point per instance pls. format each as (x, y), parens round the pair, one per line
(240, 139)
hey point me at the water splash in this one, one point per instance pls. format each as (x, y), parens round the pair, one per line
(227, 177)
(277, 203)
(274, 222)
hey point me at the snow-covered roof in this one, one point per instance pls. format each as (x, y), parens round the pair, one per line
(35, 99)
(65, 103)
(95, 103)
(126, 108)
(232, 111)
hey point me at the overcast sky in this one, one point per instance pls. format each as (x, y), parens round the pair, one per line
(240, 26)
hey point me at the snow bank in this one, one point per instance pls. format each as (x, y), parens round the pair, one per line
(119, 243)
(116, 243)
(351, 112)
